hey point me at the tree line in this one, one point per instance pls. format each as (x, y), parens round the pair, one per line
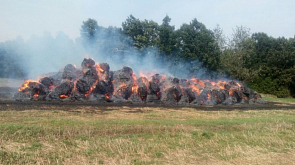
(265, 63)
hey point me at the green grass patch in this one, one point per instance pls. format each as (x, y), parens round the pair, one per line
(283, 100)
(181, 137)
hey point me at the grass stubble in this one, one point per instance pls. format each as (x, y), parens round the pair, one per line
(147, 135)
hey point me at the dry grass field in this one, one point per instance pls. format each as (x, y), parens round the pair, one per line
(147, 135)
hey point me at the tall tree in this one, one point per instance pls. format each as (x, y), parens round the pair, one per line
(167, 38)
(89, 30)
(196, 42)
(219, 37)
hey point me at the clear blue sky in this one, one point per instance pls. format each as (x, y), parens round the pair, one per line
(34, 17)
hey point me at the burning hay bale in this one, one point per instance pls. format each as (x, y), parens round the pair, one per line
(171, 91)
(62, 91)
(96, 82)
(123, 83)
(31, 90)
(71, 73)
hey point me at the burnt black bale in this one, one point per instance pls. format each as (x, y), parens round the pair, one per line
(110, 81)
(37, 88)
(91, 76)
(87, 62)
(47, 82)
(154, 90)
(188, 96)
(71, 73)
(107, 76)
(238, 95)
(83, 86)
(64, 88)
(125, 92)
(56, 77)
(102, 88)
(105, 67)
(235, 96)
(204, 97)
(142, 88)
(218, 96)
(171, 95)
(155, 84)
(171, 91)
(212, 96)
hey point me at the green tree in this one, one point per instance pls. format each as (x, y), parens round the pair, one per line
(197, 43)
(144, 33)
(89, 30)
(220, 37)
(167, 39)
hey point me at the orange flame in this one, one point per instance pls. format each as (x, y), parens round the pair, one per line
(63, 96)
(198, 82)
(220, 84)
(88, 92)
(26, 85)
(107, 96)
(51, 86)
(98, 68)
(36, 95)
(135, 85)
(231, 92)
(238, 84)
(208, 96)
(196, 89)
(175, 96)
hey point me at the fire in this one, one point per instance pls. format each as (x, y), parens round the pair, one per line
(208, 96)
(63, 96)
(35, 95)
(122, 84)
(238, 84)
(98, 68)
(220, 84)
(26, 85)
(196, 89)
(51, 86)
(175, 96)
(198, 82)
(231, 92)
(122, 87)
(134, 89)
(89, 92)
(135, 85)
(158, 94)
(149, 74)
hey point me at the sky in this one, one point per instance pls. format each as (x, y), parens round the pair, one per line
(26, 18)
